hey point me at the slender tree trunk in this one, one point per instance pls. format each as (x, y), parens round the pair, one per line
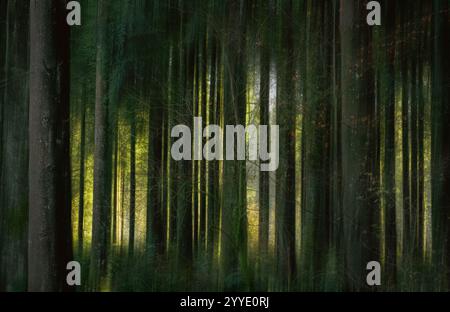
(336, 183)
(370, 114)
(424, 9)
(115, 182)
(213, 167)
(264, 119)
(405, 134)
(82, 168)
(203, 163)
(414, 146)
(316, 226)
(388, 97)
(132, 183)
(184, 167)
(158, 116)
(101, 205)
(156, 209)
(3, 19)
(196, 163)
(14, 146)
(171, 175)
(234, 214)
(286, 119)
(122, 205)
(440, 154)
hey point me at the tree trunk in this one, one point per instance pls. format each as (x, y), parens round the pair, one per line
(358, 140)
(234, 214)
(115, 183)
(14, 146)
(203, 163)
(49, 177)
(82, 168)
(286, 119)
(102, 198)
(213, 169)
(388, 97)
(440, 154)
(184, 167)
(132, 182)
(405, 134)
(264, 119)
(3, 14)
(316, 227)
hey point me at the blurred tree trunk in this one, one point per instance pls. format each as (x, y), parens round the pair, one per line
(316, 170)
(102, 191)
(184, 167)
(285, 175)
(387, 87)
(440, 154)
(196, 163)
(82, 168)
(360, 163)
(3, 9)
(336, 158)
(132, 180)
(213, 167)
(115, 183)
(264, 119)
(413, 133)
(175, 97)
(155, 207)
(14, 145)
(203, 163)
(405, 128)
(49, 193)
(424, 9)
(234, 212)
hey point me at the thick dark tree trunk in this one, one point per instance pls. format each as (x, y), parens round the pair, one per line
(49, 171)
(286, 119)
(316, 169)
(359, 138)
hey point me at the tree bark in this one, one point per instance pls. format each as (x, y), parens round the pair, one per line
(358, 140)
(14, 146)
(102, 198)
(440, 154)
(285, 174)
(234, 214)
(82, 169)
(387, 85)
(49, 175)
(316, 170)
(132, 183)
(264, 119)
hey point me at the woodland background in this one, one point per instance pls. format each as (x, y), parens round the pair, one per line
(86, 172)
